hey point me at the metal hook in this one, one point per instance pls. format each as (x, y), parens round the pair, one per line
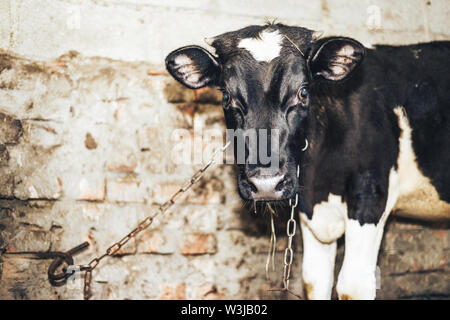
(60, 279)
(306, 145)
(296, 201)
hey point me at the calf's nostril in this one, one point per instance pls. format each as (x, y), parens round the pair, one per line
(265, 184)
(253, 188)
(280, 186)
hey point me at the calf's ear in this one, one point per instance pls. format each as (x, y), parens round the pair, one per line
(336, 58)
(193, 67)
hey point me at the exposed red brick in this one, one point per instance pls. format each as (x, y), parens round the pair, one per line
(163, 192)
(154, 243)
(54, 65)
(199, 243)
(127, 168)
(149, 243)
(151, 72)
(91, 190)
(125, 190)
(170, 292)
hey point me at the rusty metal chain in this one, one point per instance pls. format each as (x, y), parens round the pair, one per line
(144, 224)
(291, 227)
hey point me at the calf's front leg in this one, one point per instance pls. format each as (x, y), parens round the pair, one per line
(317, 266)
(364, 226)
(356, 279)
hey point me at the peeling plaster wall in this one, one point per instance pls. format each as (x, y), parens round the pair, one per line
(87, 116)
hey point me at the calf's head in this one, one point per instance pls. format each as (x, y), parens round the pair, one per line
(266, 74)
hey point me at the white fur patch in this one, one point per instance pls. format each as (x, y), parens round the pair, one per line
(265, 48)
(183, 59)
(346, 51)
(187, 67)
(408, 169)
(317, 266)
(418, 197)
(327, 223)
(356, 279)
(319, 246)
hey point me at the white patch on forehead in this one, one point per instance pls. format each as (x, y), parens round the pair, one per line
(264, 48)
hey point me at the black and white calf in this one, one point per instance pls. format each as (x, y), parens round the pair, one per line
(377, 125)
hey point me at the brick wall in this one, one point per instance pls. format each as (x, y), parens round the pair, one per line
(86, 151)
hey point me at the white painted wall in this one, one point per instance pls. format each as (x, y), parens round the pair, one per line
(149, 29)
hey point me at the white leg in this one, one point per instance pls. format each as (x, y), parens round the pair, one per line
(356, 279)
(318, 265)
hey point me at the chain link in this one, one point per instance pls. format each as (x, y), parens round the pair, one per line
(144, 224)
(288, 252)
(291, 227)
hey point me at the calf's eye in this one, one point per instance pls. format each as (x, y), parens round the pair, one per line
(225, 97)
(303, 93)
